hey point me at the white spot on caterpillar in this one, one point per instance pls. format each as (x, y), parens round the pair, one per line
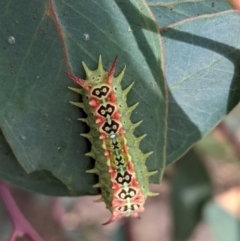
(11, 40)
(122, 195)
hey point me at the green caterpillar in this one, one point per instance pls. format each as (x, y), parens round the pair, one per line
(120, 164)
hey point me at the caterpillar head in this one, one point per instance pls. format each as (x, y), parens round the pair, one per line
(125, 211)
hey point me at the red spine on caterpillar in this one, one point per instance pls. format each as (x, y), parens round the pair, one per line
(120, 164)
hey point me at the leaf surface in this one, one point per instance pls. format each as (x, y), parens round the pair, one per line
(203, 71)
(36, 119)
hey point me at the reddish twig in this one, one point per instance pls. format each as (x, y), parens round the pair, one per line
(21, 227)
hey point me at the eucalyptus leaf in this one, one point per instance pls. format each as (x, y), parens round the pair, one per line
(36, 119)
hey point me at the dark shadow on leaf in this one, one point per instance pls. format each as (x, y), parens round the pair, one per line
(136, 21)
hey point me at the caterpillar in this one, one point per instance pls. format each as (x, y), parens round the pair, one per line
(120, 164)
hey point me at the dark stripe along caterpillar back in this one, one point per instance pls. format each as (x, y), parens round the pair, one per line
(120, 164)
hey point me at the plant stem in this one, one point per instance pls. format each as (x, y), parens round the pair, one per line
(21, 227)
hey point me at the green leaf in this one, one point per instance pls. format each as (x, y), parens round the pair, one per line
(39, 181)
(191, 188)
(36, 119)
(223, 225)
(202, 68)
(201, 58)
